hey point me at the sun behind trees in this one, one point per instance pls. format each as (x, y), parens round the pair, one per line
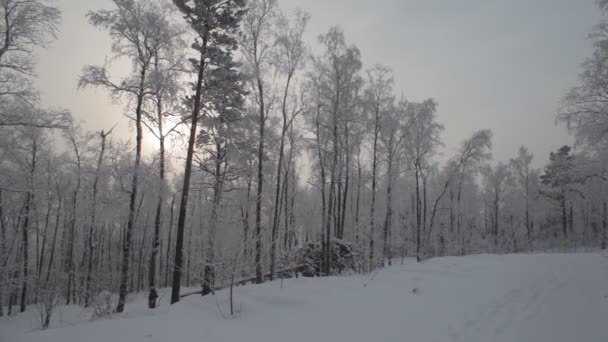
(283, 160)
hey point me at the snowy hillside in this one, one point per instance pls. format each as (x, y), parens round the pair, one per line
(544, 297)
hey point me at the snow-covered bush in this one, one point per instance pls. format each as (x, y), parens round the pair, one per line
(306, 260)
(102, 305)
(48, 300)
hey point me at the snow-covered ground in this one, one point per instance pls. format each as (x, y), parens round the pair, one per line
(541, 297)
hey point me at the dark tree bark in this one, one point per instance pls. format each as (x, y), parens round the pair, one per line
(168, 253)
(124, 271)
(91, 247)
(259, 277)
(53, 244)
(181, 218)
(2, 253)
(373, 204)
(277, 199)
(418, 210)
(604, 224)
(386, 254)
(153, 294)
(29, 199)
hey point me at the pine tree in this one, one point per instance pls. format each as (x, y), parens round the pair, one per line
(215, 23)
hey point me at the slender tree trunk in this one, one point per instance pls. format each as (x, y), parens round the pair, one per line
(2, 254)
(124, 272)
(418, 211)
(245, 218)
(527, 218)
(168, 253)
(604, 224)
(277, 209)
(181, 220)
(564, 215)
(322, 174)
(29, 200)
(496, 216)
(346, 178)
(259, 278)
(571, 218)
(153, 294)
(373, 204)
(52, 255)
(93, 217)
(389, 209)
(210, 272)
(358, 197)
(47, 219)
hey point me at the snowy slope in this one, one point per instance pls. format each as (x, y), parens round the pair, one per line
(544, 297)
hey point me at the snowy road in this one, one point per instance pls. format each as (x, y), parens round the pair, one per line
(544, 297)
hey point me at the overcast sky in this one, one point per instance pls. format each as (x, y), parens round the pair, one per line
(497, 64)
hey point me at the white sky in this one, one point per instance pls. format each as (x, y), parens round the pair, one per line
(497, 64)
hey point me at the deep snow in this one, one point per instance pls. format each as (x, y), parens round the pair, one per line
(539, 297)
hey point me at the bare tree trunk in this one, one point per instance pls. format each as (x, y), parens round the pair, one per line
(604, 224)
(168, 253)
(496, 217)
(259, 277)
(358, 197)
(564, 215)
(322, 174)
(418, 211)
(29, 199)
(527, 218)
(103, 136)
(424, 207)
(277, 202)
(2, 253)
(373, 204)
(153, 294)
(52, 255)
(47, 219)
(181, 220)
(245, 218)
(386, 255)
(210, 272)
(124, 272)
(571, 218)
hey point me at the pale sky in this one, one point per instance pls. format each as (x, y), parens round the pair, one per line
(497, 64)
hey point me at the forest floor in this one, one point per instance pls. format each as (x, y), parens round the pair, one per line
(537, 297)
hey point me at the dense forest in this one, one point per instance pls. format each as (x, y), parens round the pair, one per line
(269, 160)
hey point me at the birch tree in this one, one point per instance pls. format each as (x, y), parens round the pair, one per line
(289, 59)
(256, 44)
(137, 30)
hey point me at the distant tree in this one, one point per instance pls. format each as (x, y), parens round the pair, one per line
(471, 154)
(92, 225)
(422, 141)
(379, 95)
(560, 178)
(496, 182)
(392, 134)
(521, 166)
